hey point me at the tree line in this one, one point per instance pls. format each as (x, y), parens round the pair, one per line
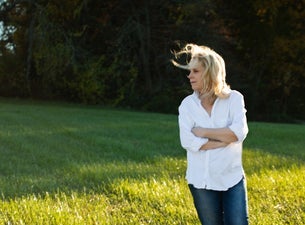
(117, 52)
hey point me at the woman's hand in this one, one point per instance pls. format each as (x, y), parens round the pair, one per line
(212, 144)
(220, 134)
(198, 131)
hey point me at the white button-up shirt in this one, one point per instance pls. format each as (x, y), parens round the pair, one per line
(221, 168)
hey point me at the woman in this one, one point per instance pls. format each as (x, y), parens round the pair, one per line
(213, 125)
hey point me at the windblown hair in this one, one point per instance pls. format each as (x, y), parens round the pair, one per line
(214, 73)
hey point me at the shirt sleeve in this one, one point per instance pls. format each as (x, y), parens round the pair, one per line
(188, 140)
(238, 117)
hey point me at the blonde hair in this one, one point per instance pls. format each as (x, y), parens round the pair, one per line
(214, 73)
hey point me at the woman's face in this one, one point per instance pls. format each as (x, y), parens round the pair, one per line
(195, 76)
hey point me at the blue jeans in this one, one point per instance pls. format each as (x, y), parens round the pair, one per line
(222, 207)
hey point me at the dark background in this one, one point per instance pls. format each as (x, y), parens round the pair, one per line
(117, 53)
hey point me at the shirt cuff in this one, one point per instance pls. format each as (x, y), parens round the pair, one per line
(240, 132)
(196, 144)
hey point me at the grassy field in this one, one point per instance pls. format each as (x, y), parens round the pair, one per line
(70, 164)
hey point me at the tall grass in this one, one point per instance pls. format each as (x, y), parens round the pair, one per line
(70, 164)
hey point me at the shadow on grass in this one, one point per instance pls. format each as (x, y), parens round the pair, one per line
(57, 148)
(75, 149)
(79, 176)
(274, 146)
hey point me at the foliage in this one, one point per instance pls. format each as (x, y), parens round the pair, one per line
(71, 164)
(269, 35)
(117, 52)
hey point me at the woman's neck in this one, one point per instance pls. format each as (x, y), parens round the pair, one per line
(207, 103)
(207, 99)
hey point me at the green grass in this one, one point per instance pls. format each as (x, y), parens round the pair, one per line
(70, 164)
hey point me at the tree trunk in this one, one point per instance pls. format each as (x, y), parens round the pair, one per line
(144, 36)
(30, 47)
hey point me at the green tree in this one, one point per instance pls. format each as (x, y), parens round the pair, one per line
(117, 52)
(13, 48)
(269, 36)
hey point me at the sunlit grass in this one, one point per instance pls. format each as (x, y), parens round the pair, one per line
(69, 164)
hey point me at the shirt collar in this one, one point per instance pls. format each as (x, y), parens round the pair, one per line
(196, 98)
